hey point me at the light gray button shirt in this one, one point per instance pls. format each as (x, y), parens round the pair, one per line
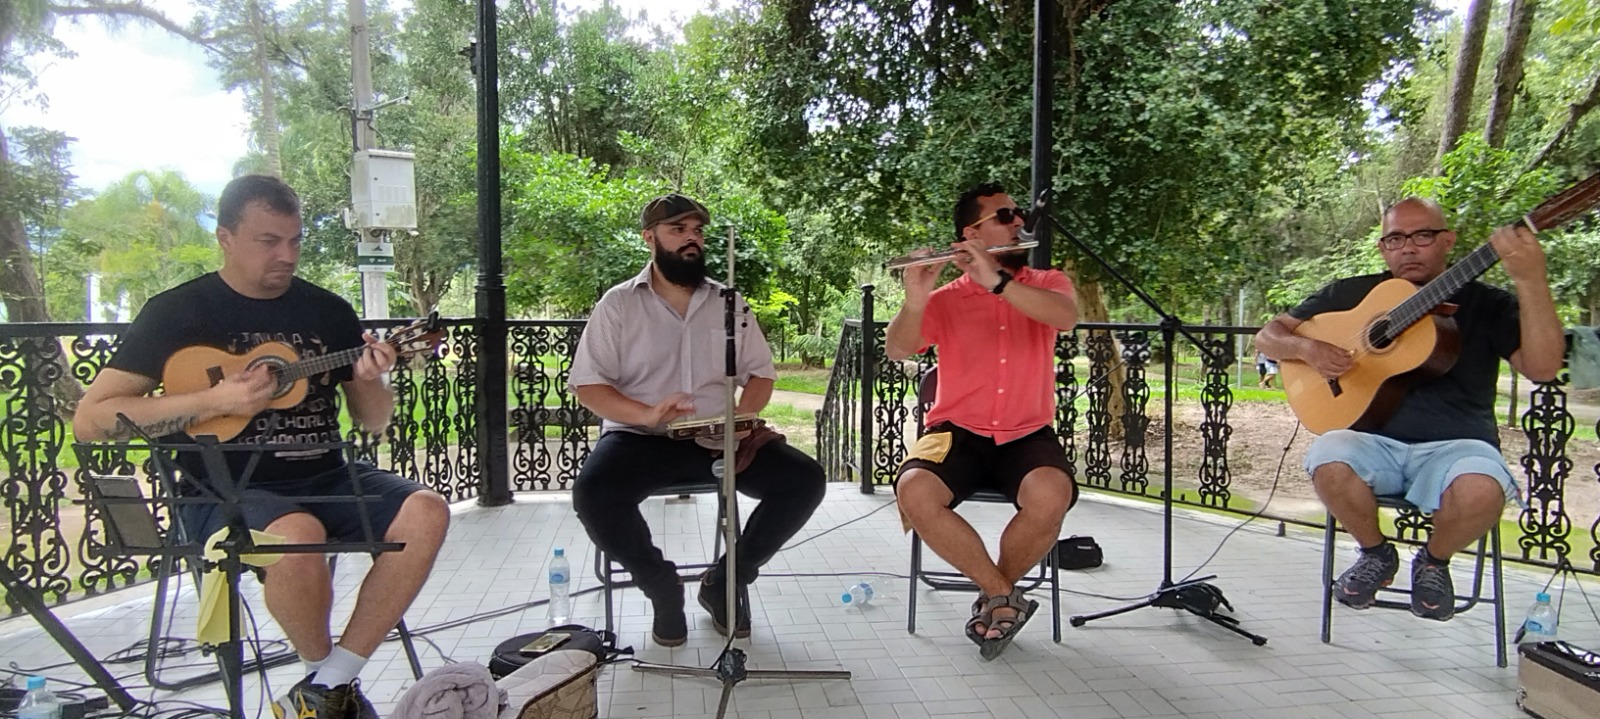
(636, 343)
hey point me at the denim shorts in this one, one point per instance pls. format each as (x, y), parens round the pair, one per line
(1419, 472)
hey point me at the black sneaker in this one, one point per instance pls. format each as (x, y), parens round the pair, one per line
(714, 600)
(360, 708)
(314, 701)
(1433, 593)
(1358, 586)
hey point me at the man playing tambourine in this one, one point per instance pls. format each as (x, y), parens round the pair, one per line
(653, 352)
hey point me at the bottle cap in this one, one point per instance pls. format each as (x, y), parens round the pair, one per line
(561, 552)
(1542, 597)
(845, 597)
(35, 683)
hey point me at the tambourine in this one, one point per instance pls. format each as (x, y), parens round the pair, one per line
(712, 428)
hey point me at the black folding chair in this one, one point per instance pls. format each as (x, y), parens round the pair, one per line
(607, 572)
(1488, 552)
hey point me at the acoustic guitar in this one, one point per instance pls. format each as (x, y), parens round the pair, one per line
(1397, 338)
(199, 367)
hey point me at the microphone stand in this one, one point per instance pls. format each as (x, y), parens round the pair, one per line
(730, 665)
(1195, 596)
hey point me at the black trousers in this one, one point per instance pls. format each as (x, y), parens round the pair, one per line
(624, 468)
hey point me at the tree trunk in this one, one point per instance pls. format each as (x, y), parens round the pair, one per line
(1462, 85)
(1508, 71)
(24, 293)
(1092, 308)
(271, 144)
(1575, 113)
(19, 282)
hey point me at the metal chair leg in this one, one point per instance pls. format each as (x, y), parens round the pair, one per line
(1329, 534)
(410, 648)
(1499, 600)
(911, 593)
(1055, 593)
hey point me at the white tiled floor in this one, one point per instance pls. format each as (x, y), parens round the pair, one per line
(1149, 663)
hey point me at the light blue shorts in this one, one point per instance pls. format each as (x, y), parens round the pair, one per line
(1419, 472)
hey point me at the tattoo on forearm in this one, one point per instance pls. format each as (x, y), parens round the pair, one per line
(157, 428)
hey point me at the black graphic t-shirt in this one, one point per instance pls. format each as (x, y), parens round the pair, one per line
(1460, 403)
(206, 311)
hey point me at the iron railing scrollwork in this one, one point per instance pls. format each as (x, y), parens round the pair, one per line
(1548, 425)
(1216, 398)
(1136, 352)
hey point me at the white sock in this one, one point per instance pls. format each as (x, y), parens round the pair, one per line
(311, 666)
(341, 666)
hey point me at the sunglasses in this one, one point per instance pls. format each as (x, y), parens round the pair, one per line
(1004, 215)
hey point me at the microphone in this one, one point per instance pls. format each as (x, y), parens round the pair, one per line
(1035, 216)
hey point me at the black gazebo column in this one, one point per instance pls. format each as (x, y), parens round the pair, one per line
(493, 455)
(1044, 24)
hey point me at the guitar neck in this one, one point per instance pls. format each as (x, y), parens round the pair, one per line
(322, 363)
(1443, 287)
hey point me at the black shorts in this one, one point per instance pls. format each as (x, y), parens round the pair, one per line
(974, 462)
(383, 493)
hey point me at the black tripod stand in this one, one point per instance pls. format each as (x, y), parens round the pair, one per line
(730, 666)
(127, 514)
(1192, 595)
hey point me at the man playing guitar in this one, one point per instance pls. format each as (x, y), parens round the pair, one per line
(1440, 448)
(256, 298)
(653, 352)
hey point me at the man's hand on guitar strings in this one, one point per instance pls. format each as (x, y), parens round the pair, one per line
(1520, 253)
(245, 394)
(1328, 360)
(377, 360)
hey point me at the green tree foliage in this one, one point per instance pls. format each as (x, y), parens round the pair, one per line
(141, 235)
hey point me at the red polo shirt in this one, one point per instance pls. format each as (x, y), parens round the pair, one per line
(997, 374)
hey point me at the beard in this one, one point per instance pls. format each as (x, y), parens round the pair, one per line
(1013, 260)
(685, 272)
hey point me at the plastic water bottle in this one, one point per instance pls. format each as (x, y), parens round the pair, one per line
(857, 595)
(560, 585)
(1540, 626)
(39, 702)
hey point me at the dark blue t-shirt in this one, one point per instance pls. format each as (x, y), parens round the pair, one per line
(1460, 403)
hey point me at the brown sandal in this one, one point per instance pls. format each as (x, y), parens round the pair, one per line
(1008, 626)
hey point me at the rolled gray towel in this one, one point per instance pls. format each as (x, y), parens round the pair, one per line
(463, 690)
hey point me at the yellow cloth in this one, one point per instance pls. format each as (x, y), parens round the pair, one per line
(213, 627)
(932, 448)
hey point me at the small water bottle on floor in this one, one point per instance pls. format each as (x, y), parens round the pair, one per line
(857, 595)
(1540, 626)
(560, 584)
(39, 702)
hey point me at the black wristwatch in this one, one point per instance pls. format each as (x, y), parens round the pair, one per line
(1005, 277)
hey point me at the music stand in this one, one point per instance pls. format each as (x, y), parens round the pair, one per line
(730, 665)
(1170, 594)
(222, 489)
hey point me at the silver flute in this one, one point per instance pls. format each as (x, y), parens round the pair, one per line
(904, 261)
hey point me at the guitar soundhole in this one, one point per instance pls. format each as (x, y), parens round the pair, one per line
(1378, 334)
(275, 365)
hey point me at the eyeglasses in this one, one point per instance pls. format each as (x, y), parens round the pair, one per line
(1004, 215)
(1420, 238)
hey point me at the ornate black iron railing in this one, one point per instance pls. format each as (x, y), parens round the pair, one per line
(1111, 430)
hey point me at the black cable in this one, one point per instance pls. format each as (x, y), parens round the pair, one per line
(1257, 515)
(835, 528)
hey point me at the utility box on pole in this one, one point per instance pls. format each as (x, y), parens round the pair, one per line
(383, 190)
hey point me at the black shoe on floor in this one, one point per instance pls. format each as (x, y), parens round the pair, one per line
(360, 708)
(668, 627)
(714, 599)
